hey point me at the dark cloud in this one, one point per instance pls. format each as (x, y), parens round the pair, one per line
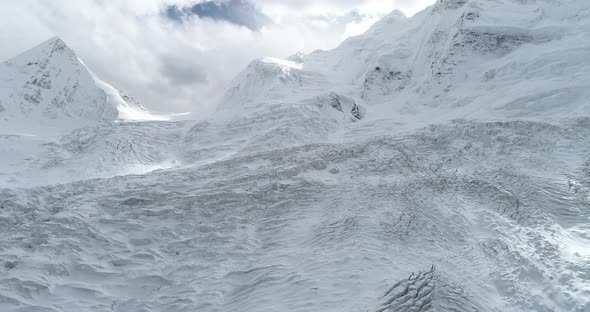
(238, 12)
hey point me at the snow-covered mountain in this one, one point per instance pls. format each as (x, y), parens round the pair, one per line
(48, 92)
(437, 162)
(49, 85)
(49, 89)
(449, 61)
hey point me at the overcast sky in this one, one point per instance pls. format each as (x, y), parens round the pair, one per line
(178, 55)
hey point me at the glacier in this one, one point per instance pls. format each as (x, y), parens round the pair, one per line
(437, 162)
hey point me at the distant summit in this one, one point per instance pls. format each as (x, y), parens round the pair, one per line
(48, 88)
(48, 85)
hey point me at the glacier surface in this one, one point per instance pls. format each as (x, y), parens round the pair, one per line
(437, 162)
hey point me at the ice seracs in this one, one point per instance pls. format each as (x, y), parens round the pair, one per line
(438, 162)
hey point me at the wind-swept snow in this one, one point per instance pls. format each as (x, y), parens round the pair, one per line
(126, 111)
(435, 163)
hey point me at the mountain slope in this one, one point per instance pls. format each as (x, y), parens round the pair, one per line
(49, 89)
(59, 122)
(343, 180)
(57, 90)
(453, 59)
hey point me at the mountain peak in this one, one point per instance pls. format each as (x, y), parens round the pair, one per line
(47, 49)
(395, 15)
(48, 84)
(56, 43)
(441, 5)
(54, 40)
(393, 18)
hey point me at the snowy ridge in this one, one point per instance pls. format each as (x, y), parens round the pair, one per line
(50, 87)
(461, 53)
(435, 163)
(271, 80)
(61, 95)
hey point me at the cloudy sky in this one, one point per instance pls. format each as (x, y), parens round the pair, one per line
(178, 55)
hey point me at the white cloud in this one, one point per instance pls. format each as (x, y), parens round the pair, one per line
(182, 67)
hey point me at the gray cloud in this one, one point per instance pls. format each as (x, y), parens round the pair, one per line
(237, 12)
(182, 72)
(339, 22)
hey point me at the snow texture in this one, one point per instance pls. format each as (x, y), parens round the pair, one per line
(435, 163)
